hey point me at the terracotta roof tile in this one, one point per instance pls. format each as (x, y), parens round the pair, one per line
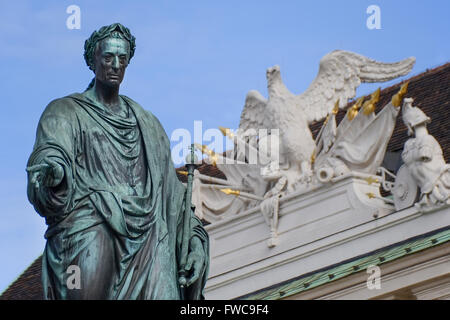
(28, 285)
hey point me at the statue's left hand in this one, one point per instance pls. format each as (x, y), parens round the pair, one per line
(195, 261)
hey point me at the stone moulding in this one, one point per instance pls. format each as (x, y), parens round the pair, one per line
(316, 229)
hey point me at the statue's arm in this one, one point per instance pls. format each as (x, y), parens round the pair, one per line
(198, 260)
(407, 153)
(50, 164)
(429, 148)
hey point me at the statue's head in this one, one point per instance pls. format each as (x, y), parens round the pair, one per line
(413, 116)
(108, 51)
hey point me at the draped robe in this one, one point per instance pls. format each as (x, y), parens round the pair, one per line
(118, 214)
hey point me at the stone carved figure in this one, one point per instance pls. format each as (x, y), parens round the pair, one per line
(357, 144)
(360, 140)
(102, 176)
(340, 73)
(423, 157)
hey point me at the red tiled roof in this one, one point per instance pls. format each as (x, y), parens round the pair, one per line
(431, 92)
(28, 286)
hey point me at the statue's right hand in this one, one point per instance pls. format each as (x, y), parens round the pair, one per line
(50, 174)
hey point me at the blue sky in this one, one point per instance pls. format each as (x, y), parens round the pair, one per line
(195, 60)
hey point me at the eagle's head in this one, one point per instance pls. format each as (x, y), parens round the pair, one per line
(275, 84)
(273, 77)
(272, 73)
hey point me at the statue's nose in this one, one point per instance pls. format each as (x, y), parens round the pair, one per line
(115, 63)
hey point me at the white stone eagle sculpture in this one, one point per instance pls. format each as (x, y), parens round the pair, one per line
(340, 73)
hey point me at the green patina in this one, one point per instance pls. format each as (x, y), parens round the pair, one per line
(101, 174)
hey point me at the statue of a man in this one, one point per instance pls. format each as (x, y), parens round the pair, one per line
(423, 156)
(102, 176)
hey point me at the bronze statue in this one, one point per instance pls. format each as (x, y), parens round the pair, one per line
(102, 176)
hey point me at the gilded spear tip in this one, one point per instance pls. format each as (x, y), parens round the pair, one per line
(369, 106)
(185, 173)
(214, 159)
(230, 191)
(353, 110)
(336, 107)
(351, 113)
(199, 146)
(376, 95)
(359, 102)
(223, 130)
(205, 150)
(398, 97)
(226, 132)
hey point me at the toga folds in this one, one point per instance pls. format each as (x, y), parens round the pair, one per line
(118, 213)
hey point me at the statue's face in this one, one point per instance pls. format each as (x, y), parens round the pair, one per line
(111, 60)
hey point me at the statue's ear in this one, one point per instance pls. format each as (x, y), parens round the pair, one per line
(94, 57)
(91, 65)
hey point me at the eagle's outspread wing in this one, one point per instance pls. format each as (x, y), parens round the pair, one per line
(254, 115)
(340, 73)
